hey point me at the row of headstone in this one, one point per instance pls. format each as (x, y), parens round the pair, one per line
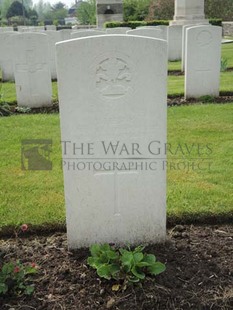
(172, 34)
(28, 28)
(12, 63)
(6, 55)
(27, 59)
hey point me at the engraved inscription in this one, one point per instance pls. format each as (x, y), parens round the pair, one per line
(204, 38)
(113, 77)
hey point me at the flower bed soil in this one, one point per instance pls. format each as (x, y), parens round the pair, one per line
(199, 273)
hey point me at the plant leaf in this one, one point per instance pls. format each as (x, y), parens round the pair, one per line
(95, 250)
(104, 271)
(139, 248)
(138, 257)
(29, 289)
(143, 264)
(149, 258)
(3, 288)
(138, 273)
(112, 254)
(156, 268)
(127, 258)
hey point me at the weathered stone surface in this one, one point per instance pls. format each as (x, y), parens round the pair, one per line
(174, 43)
(31, 69)
(6, 60)
(202, 61)
(86, 33)
(106, 98)
(189, 12)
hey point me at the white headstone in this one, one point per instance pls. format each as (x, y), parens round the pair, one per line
(184, 28)
(202, 61)
(174, 43)
(117, 30)
(6, 56)
(149, 32)
(31, 68)
(104, 98)
(86, 33)
(6, 29)
(51, 27)
(53, 38)
(65, 34)
(33, 29)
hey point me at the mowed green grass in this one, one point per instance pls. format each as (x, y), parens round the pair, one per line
(175, 87)
(37, 197)
(227, 53)
(176, 84)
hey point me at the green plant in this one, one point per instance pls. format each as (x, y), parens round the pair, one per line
(4, 107)
(15, 278)
(23, 110)
(224, 64)
(206, 99)
(121, 264)
(135, 24)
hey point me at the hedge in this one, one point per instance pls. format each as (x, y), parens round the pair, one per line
(135, 24)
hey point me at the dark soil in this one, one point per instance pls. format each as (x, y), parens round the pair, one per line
(199, 274)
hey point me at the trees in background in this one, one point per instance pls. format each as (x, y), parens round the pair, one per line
(86, 12)
(219, 9)
(135, 9)
(11, 10)
(16, 9)
(43, 12)
(164, 9)
(56, 13)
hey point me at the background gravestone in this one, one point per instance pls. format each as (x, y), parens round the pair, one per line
(174, 43)
(31, 69)
(86, 33)
(65, 34)
(53, 38)
(6, 56)
(6, 29)
(117, 30)
(149, 32)
(202, 61)
(184, 29)
(105, 97)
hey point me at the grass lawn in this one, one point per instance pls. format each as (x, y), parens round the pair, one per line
(36, 197)
(176, 83)
(227, 53)
(175, 87)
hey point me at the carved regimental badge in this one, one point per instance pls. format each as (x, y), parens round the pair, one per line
(113, 77)
(204, 38)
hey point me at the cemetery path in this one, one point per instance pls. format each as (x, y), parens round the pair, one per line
(199, 273)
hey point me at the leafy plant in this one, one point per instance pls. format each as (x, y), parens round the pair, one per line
(224, 64)
(15, 278)
(4, 107)
(23, 110)
(207, 99)
(123, 264)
